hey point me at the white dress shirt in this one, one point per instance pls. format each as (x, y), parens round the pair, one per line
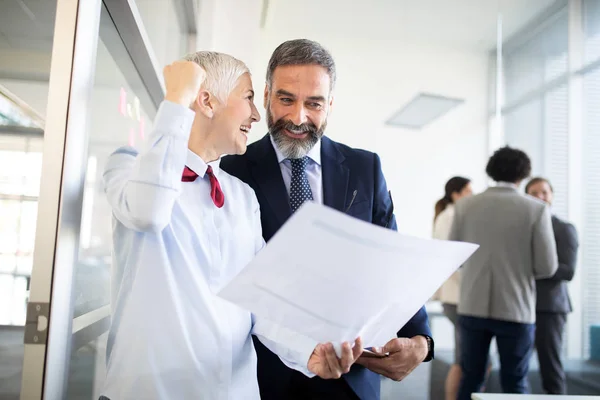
(172, 337)
(313, 171)
(449, 292)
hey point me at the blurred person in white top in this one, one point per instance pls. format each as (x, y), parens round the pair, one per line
(182, 229)
(455, 189)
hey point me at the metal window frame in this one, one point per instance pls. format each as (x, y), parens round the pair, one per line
(187, 11)
(21, 131)
(575, 330)
(129, 24)
(71, 81)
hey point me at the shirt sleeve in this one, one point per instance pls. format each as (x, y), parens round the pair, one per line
(443, 224)
(142, 187)
(259, 241)
(567, 244)
(294, 349)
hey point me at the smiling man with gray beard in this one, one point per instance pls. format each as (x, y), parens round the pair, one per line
(291, 147)
(295, 163)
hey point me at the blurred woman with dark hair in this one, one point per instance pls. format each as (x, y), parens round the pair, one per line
(455, 189)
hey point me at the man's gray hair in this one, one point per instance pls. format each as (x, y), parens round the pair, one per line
(301, 52)
(222, 72)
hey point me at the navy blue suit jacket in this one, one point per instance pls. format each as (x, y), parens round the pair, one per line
(344, 170)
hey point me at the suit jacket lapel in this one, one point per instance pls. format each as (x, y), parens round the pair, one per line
(335, 175)
(267, 173)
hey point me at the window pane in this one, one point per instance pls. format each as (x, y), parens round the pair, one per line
(11, 142)
(8, 243)
(19, 299)
(32, 171)
(121, 112)
(26, 40)
(20, 172)
(591, 28)
(6, 299)
(556, 146)
(13, 115)
(9, 222)
(540, 128)
(523, 129)
(9, 215)
(12, 164)
(27, 226)
(590, 235)
(165, 28)
(8, 263)
(541, 59)
(24, 265)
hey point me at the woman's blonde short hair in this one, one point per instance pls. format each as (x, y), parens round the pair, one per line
(222, 72)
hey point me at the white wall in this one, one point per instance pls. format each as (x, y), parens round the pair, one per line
(375, 79)
(163, 29)
(232, 27)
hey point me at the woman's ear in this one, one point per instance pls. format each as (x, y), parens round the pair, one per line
(205, 103)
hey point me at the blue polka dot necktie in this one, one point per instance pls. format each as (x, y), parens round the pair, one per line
(299, 188)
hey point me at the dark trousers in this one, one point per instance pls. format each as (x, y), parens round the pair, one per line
(548, 343)
(515, 344)
(278, 382)
(304, 388)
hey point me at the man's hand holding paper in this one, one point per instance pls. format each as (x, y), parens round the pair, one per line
(397, 359)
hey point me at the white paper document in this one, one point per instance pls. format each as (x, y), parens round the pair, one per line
(333, 277)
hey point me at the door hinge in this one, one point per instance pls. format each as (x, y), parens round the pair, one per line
(36, 324)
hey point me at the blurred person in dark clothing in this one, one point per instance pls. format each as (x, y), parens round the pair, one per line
(553, 302)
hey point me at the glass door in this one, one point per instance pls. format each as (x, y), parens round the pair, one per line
(105, 86)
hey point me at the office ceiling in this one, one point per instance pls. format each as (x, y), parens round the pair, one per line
(461, 24)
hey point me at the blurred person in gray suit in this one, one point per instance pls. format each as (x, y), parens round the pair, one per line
(497, 296)
(553, 302)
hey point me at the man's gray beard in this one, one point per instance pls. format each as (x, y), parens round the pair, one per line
(292, 148)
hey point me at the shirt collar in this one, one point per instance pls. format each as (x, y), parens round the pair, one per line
(507, 185)
(314, 153)
(197, 164)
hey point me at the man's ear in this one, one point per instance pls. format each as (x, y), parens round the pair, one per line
(330, 104)
(266, 96)
(205, 103)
